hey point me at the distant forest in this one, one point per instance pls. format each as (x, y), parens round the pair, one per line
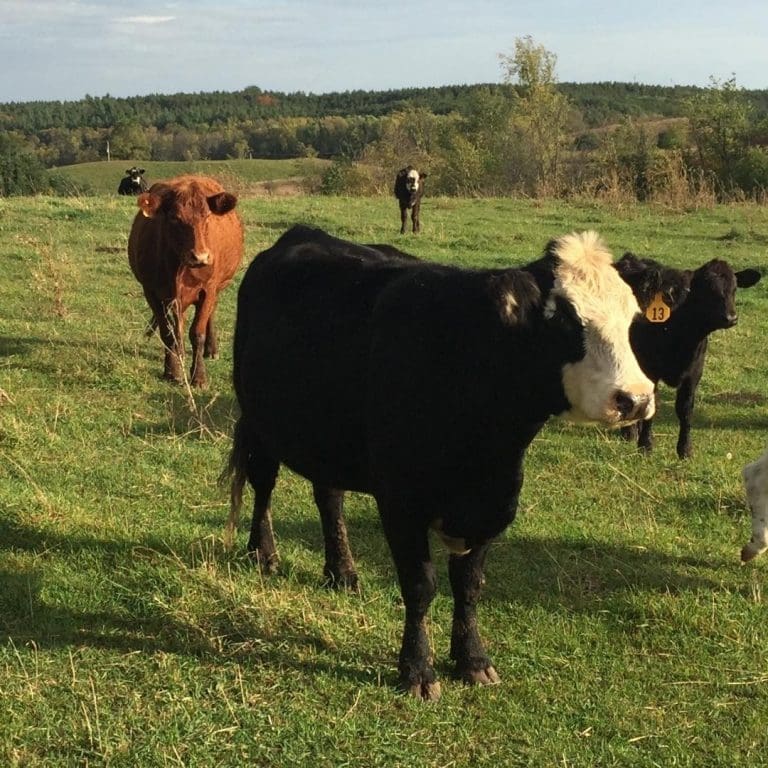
(257, 123)
(486, 132)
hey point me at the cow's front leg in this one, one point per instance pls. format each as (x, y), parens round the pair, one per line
(164, 317)
(467, 650)
(415, 218)
(211, 349)
(416, 574)
(403, 219)
(197, 337)
(630, 433)
(684, 399)
(645, 435)
(169, 326)
(339, 570)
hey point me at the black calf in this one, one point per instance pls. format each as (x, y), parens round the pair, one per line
(680, 309)
(409, 189)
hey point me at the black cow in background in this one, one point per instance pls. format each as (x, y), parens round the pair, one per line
(362, 369)
(133, 182)
(680, 309)
(409, 189)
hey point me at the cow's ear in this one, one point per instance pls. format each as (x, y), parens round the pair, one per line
(422, 175)
(633, 271)
(629, 265)
(222, 203)
(148, 204)
(746, 278)
(564, 328)
(141, 170)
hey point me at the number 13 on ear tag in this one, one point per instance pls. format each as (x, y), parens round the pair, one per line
(658, 311)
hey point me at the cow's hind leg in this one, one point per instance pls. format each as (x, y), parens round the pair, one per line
(339, 570)
(410, 550)
(262, 475)
(248, 461)
(466, 575)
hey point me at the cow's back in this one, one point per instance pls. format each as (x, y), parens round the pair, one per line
(301, 356)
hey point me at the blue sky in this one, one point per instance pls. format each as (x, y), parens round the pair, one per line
(65, 49)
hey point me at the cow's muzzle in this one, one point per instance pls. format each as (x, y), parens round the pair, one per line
(201, 259)
(634, 407)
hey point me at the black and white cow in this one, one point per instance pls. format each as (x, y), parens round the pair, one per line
(680, 309)
(755, 476)
(409, 189)
(423, 385)
(133, 182)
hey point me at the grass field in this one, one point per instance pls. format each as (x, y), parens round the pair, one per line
(616, 611)
(243, 176)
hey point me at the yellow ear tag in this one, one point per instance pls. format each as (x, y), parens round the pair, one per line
(658, 311)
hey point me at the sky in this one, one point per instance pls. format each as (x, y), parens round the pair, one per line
(63, 50)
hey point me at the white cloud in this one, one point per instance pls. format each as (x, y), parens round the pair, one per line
(145, 19)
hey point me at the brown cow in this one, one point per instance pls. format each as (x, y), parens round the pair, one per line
(186, 244)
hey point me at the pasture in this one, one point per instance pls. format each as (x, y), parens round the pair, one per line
(246, 176)
(616, 611)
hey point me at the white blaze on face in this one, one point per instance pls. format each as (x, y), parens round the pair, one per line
(412, 181)
(756, 486)
(609, 372)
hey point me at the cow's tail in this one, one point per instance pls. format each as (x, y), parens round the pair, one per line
(236, 472)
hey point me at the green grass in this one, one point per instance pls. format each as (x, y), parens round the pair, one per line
(616, 611)
(102, 178)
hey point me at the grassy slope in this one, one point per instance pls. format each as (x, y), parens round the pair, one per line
(625, 630)
(103, 178)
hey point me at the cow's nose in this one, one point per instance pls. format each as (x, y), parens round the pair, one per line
(199, 259)
(633, 407)
(732, 320)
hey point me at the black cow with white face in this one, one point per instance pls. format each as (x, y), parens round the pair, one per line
(409, 189)
(422, 385)
(681, 307)
(133, 182)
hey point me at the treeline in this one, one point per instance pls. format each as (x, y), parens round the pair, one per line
(598, 102)
(256, 123)
(527, 135)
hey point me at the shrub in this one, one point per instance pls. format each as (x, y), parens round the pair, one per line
(21, 173)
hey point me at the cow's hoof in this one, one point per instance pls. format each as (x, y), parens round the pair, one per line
(173, 378)
(346, 581)
(750, 551)
(484, 676)
(267, 563)
(629, 433)
(425, 691)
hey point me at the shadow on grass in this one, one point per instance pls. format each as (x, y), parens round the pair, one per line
(142, 582)
(205, 411)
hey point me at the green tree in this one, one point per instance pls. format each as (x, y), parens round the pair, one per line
(21, 173)
(129, 141)
(719, 120)
(538, 132)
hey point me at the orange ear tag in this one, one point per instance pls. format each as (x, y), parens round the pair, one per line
(658, 311)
